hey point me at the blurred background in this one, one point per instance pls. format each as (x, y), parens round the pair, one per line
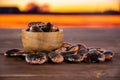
(62, 13)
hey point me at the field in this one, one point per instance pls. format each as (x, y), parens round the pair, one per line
(62, 21)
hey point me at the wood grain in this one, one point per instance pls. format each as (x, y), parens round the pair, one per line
(18, 69)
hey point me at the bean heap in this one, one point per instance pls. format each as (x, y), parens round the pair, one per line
(66, 53)
(41, 27)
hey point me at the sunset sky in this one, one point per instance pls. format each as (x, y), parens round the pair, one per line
(68, 5)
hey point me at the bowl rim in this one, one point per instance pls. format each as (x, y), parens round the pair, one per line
(24, 30)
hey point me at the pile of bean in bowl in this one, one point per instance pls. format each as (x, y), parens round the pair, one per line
(42, 27)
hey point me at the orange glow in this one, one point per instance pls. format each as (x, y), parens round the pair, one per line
(62, 21)
(21, 21)
(90, 8)
(67, 5)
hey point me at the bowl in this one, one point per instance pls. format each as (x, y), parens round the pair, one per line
(37, 41)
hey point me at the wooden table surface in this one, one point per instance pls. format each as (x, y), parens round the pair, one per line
(18, 69)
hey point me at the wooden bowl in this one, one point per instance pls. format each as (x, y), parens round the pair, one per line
(37, 41)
